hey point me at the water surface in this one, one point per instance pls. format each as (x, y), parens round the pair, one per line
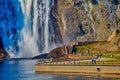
(24, 70)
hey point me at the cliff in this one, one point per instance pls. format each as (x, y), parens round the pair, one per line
(3, 53)
(86, 20)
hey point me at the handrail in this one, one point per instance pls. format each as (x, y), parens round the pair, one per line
(80, 63)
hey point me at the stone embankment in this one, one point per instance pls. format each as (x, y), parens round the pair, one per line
(74, 67)
(78, 68)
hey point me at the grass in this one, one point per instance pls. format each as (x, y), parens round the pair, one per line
(107, 54)
(112, 54)
(89, 46)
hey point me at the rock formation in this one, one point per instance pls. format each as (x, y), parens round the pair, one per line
(86, 20)
(3, 53)
(58, 53)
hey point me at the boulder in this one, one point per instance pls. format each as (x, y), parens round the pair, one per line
(58, 53)
(3, 54)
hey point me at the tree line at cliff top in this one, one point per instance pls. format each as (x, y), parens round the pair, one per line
(116, 2)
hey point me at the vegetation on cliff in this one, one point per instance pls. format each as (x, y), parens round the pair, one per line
(116, 2)
(90, 47)
(108, 49)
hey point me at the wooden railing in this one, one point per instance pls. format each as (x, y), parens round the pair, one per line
(77, 63)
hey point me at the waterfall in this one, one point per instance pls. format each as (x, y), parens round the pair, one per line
(35, 34)
(46, 32)
(91, 17)
(11, 23)
(27, 27)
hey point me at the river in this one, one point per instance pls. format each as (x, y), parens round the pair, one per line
(23, 69)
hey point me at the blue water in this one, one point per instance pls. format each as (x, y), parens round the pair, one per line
(24, 70)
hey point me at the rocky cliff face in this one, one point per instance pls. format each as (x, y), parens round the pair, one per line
(86, 20)
(3, 53)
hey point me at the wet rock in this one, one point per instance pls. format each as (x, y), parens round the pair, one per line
(3, 54)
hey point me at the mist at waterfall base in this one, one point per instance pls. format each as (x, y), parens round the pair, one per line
(25, 27)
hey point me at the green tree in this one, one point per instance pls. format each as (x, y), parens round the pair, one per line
(111, 1)
(91, 1)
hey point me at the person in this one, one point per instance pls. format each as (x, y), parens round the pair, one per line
(100, 56)
(51, 59)
(92, 61)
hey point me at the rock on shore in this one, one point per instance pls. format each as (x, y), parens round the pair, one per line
(3, 53)
(58, 53)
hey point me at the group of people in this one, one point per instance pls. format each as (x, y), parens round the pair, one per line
(98, 56)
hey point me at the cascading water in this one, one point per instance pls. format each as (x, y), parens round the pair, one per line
(93, 28)
(35, 34)
(11, 23)
(27, 44)
(26, 28)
